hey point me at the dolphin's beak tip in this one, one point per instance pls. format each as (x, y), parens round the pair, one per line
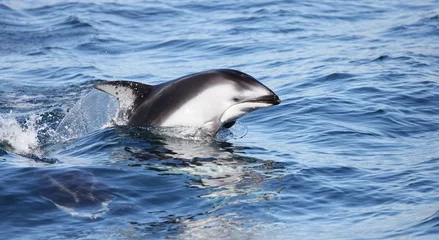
(276, 100)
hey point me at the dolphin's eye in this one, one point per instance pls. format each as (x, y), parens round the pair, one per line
(236, 99)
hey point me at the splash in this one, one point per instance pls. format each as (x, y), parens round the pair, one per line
(94, 111)
(21, 139)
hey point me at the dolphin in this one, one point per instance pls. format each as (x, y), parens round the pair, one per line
(76, 191)
(206, 100)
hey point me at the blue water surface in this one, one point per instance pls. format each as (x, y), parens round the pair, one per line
(350, 153)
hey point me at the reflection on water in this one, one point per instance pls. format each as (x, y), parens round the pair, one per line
(212, 165)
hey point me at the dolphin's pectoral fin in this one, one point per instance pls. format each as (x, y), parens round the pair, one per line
(229, 124)
(129, 94)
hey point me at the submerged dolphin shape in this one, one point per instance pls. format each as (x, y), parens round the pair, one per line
(208, 99)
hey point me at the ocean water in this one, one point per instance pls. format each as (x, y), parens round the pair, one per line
(352, 152)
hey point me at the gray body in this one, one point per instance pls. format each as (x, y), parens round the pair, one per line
(207, 99)
(77, 192)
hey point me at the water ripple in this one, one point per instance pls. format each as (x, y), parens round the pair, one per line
(353, 143)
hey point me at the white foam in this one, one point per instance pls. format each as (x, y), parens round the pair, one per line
(22, 139)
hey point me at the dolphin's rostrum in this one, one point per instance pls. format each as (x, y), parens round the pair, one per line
(208, 99)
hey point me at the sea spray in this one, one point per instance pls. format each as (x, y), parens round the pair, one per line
(92, 112)
(21, 139)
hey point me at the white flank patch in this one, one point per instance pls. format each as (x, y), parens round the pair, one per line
(203, 108)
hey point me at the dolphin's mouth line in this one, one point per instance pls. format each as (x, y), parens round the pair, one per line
(269, 99)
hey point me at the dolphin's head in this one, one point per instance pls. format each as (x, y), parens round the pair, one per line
(247, 95)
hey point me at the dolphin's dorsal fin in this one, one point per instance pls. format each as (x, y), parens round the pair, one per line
(129, 94)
